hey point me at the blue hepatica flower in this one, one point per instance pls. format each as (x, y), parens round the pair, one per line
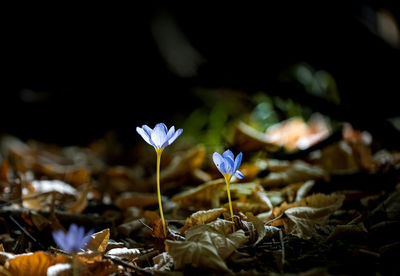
(159, 137)
(74, 240)
(227, 164)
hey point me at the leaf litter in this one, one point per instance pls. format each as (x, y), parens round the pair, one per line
(331, 210)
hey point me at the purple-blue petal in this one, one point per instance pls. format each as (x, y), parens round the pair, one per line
(158, 135)
(228, 154)
(147, 129)
(238, 161)
(174, 136)
(239, 175)
(144, 134)
(218, 160)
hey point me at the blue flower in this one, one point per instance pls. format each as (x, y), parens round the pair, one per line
(74, 240)
(227, 164)
(160, 136)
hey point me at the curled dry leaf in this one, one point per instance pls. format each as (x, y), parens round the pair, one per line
(98, 241)
(163, 262)
(202, 217)
(247, 138)
(299, 171)
(39, 262)
(129, 254)
(301, 217)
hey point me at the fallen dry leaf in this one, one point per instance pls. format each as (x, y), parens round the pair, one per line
(206, 246)
(141, 200)
(39, 262)
(247, 138)
(299, 171)
(349, 229)
(294, 133)
(128, 254)
(204, 196)
(163, 262)
(202, 217)
(301, 217)
(98, 241)
(80, 204)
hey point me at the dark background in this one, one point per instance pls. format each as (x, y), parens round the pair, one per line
(70, 73)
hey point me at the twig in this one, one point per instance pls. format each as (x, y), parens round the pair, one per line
(126, 264)
(26, 232)
(283, 250)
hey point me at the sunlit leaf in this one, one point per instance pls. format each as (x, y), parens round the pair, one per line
(39, 262)
(202, 217)
(98, 241)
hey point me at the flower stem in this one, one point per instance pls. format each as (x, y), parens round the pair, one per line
(159, 152)
(75, 271)
(228, 180)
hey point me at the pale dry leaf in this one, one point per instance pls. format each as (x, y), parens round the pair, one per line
(198, 254)
(263, 231)
(98, 241)
(202, 217)
(207, 245)
(163, 262)
(300, 221)
(303, 191)
(128, 254)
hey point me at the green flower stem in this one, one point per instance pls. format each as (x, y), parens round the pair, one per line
(159, 152)
(228, 180)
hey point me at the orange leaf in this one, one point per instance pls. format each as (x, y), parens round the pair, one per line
(38, 262)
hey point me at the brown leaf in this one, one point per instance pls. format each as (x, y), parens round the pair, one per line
(98, 241)
(141, 200)
(301, 217)
(262, 230)
(247, 138)
(349, 229)
(206, 246)
(202, 217)
(39, 262)
(204, 196)
(299, 171)
(80, 204)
